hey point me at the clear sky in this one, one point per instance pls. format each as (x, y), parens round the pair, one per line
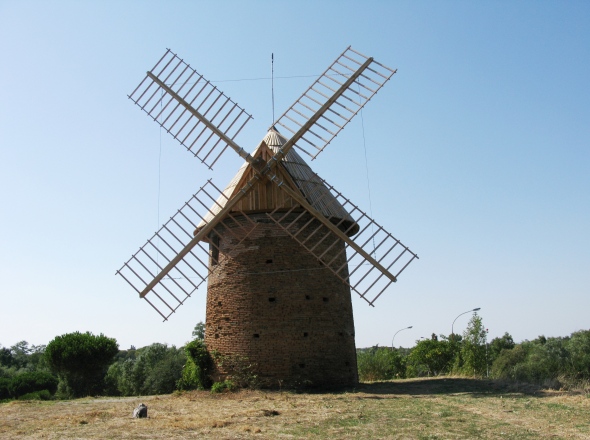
(475, 154)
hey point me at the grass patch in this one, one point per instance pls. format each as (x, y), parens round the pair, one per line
(444, 408)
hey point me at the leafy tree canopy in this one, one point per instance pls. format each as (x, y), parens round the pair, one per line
(80, 361)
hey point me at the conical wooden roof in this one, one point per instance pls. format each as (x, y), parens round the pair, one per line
(267, 196)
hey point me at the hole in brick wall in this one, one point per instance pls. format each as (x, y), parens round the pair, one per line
(268, 261)
(325, 299)
(301, 365)
(305, 334)
(341, 334)
(272, 299)
(256, 335)
(347, 364)
(218, 303)
(226, 318)
(216, 336)
(307, 297)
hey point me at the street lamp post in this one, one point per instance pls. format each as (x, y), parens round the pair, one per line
(453, 325)
(405, 328)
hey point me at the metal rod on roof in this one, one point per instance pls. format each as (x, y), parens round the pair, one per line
(272, 84)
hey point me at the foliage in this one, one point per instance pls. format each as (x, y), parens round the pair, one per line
(31, 382)
(431, 357)
(199, 331)
(36, 395)
(195, 373)
(380, 364)
(156, 369)
(4, 388)
(80, 361)
(547, 361)
(20, 358)
(578, 347)
(498, 344)
(240, 370)
(220, 387)
(473, 348)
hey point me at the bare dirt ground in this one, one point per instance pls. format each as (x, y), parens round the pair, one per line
(446, 408)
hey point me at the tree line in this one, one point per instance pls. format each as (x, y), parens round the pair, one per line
(550, 362)
(82, 364)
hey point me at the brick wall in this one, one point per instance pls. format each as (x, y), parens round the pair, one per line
(271, 301)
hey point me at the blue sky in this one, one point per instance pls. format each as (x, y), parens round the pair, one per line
(477, 154)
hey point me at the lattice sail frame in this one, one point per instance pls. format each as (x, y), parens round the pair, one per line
(207, 135)
(360, 274)
(164, 94)
(341, 110)
(192, 270)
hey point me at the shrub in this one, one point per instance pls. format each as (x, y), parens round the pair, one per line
(37, 395)
(380, 364)
(195, 373)
(431, 357)
(26, 383)
(4, 388)
(221, 387)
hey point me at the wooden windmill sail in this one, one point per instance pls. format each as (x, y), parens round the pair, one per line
(280, 247)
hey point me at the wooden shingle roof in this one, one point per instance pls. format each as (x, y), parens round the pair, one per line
(296, 172)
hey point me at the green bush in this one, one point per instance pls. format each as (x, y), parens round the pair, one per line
(431, 357)
(195, 373)
(37, 395)
(221, 387)
(4, 388)
(380, 364)
(26, 383)
(578, 347)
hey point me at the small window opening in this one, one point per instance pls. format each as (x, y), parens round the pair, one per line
(301, 365)
(218, 303)
(269, 261)
(341, 334)
(256, 335)
(325, 299)
(216, 336)
(271, 299)
(347, 364)
(305, 334)
(307, 297)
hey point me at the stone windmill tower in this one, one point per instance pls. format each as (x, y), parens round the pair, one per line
(276, 245)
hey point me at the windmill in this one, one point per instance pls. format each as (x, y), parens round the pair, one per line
(276, 245)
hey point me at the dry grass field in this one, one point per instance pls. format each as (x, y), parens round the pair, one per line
(449, 408)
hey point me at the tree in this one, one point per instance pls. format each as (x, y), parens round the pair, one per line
(430, 357)
(578, 347)
(199, 331)
(80, 361)
(498, 344)
(154, 369)
(473, 349)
